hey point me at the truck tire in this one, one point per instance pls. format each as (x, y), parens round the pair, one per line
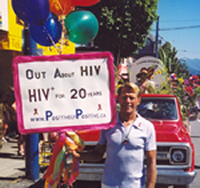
(181, 186)
(87, 184)
(161, 186)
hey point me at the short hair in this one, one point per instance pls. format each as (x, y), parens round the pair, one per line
(144, 69)
(130, 86)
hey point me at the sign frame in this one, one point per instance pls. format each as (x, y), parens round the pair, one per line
(22, 60)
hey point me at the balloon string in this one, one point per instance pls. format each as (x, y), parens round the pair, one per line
(60, 6)
(51, 39)
(64, 32)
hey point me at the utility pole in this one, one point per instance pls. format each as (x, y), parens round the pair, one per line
(157, 35)
(31, 140)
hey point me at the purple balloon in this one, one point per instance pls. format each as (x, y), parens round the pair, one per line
(32, 11)
(47, 34)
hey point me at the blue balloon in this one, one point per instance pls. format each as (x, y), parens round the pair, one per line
(32, 11)
(47, 34)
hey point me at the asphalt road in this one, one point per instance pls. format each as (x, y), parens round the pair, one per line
(12, 173)
(195, 135)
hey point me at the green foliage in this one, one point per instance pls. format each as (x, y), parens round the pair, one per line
(195, 96)
(124, 24)
(197, 92)
(165, 88)
(167, 54)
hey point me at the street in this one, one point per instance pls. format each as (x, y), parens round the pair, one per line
(12, 174)
(195, 135)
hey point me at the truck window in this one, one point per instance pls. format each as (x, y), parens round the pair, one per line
(155, 108)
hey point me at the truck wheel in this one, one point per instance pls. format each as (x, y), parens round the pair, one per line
(181, 186)
(161, 186)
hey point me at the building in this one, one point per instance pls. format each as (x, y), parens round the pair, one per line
(11, 40)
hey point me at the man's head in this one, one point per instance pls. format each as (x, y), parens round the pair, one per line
(142, 75)
(128, 97)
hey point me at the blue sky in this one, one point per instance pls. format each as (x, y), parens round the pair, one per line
(175, 14)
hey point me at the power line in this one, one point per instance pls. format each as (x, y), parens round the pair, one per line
(179, 50)
(180, 28)
(173, 21)
(162, 38)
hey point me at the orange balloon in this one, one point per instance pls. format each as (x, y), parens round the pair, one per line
(61, 7)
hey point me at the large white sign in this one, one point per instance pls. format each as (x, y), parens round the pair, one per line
(64, 92)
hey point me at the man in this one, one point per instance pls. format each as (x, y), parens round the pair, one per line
(125, 146)
(144, 79)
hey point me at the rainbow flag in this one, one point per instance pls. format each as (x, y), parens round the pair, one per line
(62, 164)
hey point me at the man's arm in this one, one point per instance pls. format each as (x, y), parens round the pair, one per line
(93, 155)
(151, 168)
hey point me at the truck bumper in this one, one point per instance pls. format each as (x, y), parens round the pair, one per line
(172, 177)
(91, 172)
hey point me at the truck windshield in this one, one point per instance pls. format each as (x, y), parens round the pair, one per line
(155, 108)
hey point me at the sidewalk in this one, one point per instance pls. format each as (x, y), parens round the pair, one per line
(12, 173)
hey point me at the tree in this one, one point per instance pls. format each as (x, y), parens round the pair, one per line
(123, 25)
(168, 55)
(187, 93)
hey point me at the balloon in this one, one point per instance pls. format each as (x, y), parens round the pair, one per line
(61, 7)
(47, 34)
(31, 11)
(85, 3)
(82, 26)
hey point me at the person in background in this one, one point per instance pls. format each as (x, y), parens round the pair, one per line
(10, 118)
(144, 81)
(5, 128)
(126, 145)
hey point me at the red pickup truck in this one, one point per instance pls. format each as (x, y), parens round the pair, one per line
(175, 150)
